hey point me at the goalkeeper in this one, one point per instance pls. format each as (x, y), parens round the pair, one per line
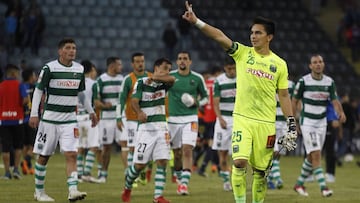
(260, 74)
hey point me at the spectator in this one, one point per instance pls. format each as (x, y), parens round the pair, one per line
(11, 22)
(184, 30)
(12, 98)
(169, 38)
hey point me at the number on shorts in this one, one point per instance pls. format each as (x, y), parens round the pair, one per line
(236, 137)
(141, 147)
(42, 137)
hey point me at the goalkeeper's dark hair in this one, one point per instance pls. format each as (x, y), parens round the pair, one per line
(27, 73)
(267, 23)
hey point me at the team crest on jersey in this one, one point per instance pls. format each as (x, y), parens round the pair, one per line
(74, 75)
(40, 146)
(140, 157)
(235, 148)
(273, 68)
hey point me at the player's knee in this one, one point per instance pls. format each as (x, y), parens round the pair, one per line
(240, 163)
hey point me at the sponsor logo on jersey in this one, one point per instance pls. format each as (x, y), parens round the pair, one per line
(68, 83)
(260, 73)
(155, 95)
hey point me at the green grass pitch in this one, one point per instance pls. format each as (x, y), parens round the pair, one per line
(202, 190)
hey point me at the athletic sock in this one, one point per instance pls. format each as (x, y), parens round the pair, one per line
(89, 162)
(259, 187)
(238, 182)
(319, 175)
(160, 178)
(131, 175)
(40, 173)
(306, 170)
(80, 164)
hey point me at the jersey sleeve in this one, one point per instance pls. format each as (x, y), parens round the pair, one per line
(137, 92)
(82, 83)
(216, 89)
(299, 89)
(333, 94)
(44, 78)
(283, 82)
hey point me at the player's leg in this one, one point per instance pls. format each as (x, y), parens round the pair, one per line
(107, 129)
(241, 148)
(68, 145)
(261, 158)
(316, 162)
(307, 167)
(161, 154)
(45, 144)
(189, 134)
(175, 132)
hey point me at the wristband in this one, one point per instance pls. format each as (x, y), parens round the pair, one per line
(200, 24)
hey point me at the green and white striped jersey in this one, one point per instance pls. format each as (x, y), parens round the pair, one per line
(315, 95)
(225, 88)
(108, 90)
(279, 114)
(152, 99)
(193, 84)
(62, 85)
(89, 84)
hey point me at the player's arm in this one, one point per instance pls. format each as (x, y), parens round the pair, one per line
(285, 102)
(135, 101)
(216, 101)
(212, 32)
(169, 80)
(339, 110)
(97, 99)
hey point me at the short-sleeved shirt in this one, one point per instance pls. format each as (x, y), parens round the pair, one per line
(258, 78)
(314, 95)
(62, 84)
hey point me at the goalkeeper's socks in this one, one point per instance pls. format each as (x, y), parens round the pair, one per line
(306, 170)
(259, 187)
(160, 176)
(80, 164)
(131, 175)
(319, 176)
(238, 182)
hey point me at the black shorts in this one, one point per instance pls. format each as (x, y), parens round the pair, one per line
(12, 137)
(29, 135)
(209, 130)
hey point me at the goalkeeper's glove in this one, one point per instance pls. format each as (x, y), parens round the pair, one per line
(288, 141)
(288, 144)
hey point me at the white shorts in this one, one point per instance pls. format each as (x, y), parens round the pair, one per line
(183, 133)
(313, 138)
(89, 136)
(49, 135)
(130, 132)
(152, 144)
(109, 132)
(222, 137)
(281, 129)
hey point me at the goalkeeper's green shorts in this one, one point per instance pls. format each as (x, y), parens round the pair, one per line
(254, 141)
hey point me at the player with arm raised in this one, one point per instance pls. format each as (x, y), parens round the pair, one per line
(260, 73)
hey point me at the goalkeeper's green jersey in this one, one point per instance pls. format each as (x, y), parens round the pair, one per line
(258, 79)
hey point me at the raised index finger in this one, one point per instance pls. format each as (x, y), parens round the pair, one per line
(188, 6)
